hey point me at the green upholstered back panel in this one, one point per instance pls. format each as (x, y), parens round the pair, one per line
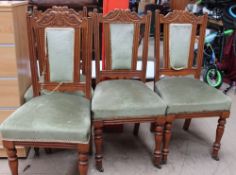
(60, 49)
(179, 45)
(121, 45)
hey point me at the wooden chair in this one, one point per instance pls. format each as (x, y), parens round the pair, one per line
(120, 97)
(60, 118)
(29, 93)
(186, 97)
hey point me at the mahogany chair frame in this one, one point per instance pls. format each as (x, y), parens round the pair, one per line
(37, 22)
(123, 17)
(198, 33)
(83, 13)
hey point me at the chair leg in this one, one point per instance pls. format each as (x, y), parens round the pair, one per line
(136, 129)
(48, 150)
(219, 134)
(98, 132)
(12, 156)
(167, 137)
(83, 159)
(152, 127)
(91, 145)
(36, 152)
(187, 124)
(158, 140)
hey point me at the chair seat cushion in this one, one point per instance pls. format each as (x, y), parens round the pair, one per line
(186, 95)
(118, 99)
(57, 117)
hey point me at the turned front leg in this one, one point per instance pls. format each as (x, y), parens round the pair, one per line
(98, 137)
(158, 140)
(167, 137)
(219, 133)
(12, 156)
(83, 159)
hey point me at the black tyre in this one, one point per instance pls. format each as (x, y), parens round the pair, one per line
(228, 19)
(213, 77)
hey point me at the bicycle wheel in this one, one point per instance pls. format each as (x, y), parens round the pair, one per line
(229, 17)
(213, 77)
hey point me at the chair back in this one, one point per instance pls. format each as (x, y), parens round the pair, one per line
(56, 39)
(122, 33)
(182, 33)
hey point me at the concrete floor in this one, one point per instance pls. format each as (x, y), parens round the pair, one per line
(125, 154)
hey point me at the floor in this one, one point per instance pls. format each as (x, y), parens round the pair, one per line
(125, 154)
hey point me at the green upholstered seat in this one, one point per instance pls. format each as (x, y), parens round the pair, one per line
(187, 95)
(117, 99)
(57, 117)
